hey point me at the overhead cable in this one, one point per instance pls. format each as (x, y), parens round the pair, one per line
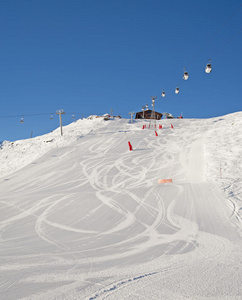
(216, 33)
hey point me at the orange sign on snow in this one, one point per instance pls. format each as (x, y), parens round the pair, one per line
(164, 180)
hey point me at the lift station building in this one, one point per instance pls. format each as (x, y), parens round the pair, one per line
(146, 114)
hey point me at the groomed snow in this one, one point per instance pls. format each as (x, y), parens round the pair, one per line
(15, 155)
(82, 217)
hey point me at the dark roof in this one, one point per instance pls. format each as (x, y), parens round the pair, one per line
(149, 110)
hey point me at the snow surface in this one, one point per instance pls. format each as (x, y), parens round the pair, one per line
(82, 217)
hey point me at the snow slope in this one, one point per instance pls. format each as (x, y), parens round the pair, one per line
(15, 155)
(85, 218)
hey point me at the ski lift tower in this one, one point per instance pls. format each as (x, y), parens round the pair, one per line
(143, 109)
(60, 112)
(131, 117)
(153, 118)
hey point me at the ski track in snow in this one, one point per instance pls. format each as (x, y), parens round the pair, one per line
(90, 221)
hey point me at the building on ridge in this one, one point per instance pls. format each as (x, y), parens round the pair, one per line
(147, 115)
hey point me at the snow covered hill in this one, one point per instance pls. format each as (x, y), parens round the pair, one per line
(15, 155)
(82, 217)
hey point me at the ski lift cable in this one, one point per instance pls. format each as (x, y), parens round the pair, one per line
(26, 115)
(225, 44)
(216, 33)
(222, 47)
(209, 41)
(186, 74)
(30, 115)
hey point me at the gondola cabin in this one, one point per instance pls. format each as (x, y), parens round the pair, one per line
(185, 75)
(208, 68)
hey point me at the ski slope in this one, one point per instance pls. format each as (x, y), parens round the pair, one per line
(82, 217)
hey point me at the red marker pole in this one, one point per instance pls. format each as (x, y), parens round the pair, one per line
(130, 146)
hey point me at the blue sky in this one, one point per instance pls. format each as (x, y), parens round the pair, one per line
(88, 56)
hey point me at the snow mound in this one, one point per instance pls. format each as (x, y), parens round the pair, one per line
(15, 155)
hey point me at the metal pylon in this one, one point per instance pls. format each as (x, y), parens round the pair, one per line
(153, 118)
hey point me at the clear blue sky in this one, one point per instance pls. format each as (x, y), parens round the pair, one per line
(88, 56)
